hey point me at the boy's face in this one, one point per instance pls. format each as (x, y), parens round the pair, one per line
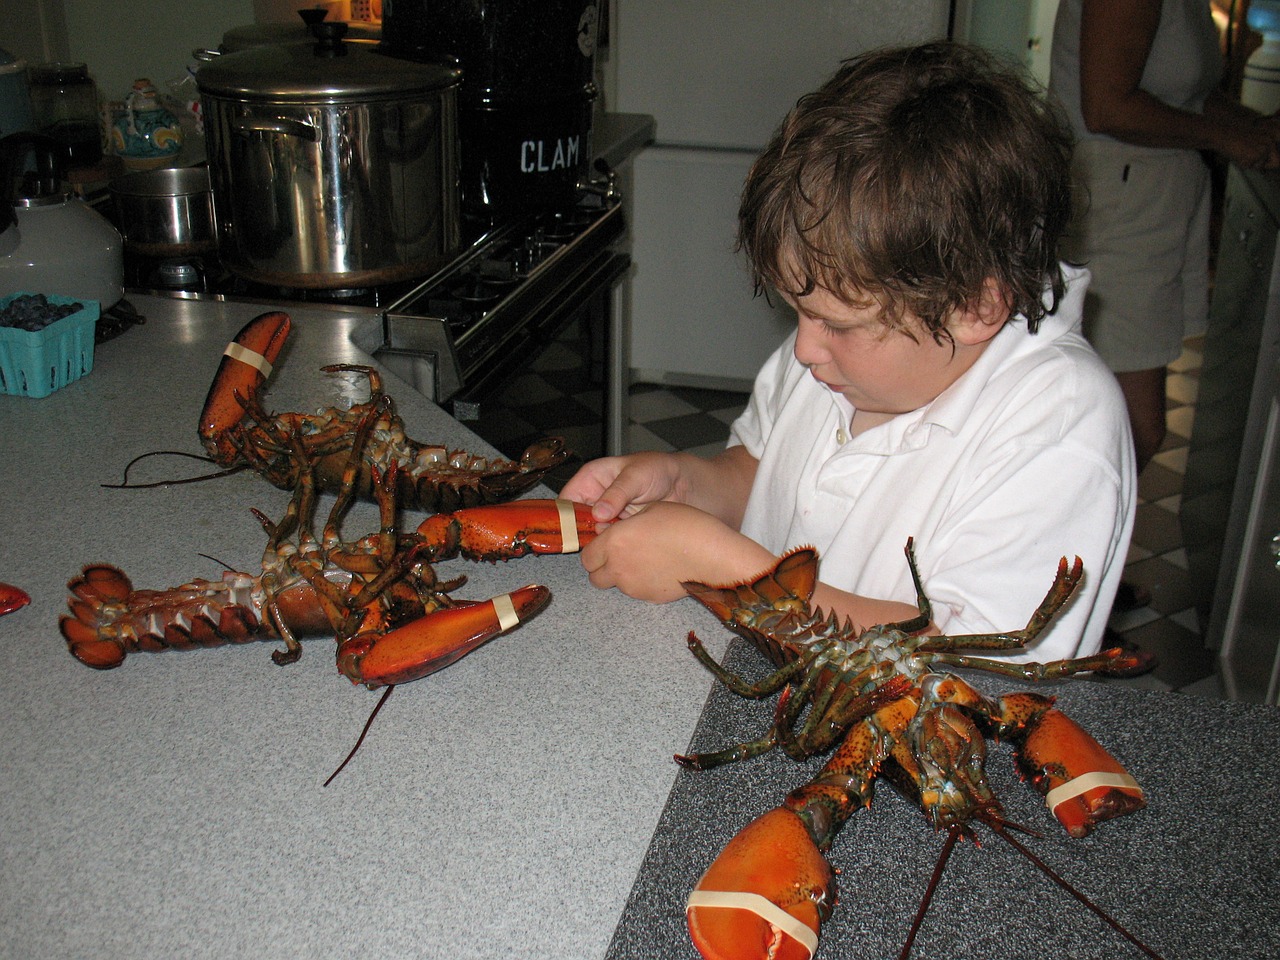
(848, 348)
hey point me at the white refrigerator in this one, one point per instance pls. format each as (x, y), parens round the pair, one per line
(718, 76)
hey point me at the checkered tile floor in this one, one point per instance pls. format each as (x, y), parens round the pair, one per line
(1169, 627)
(560, 398)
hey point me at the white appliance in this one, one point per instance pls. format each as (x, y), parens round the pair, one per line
(718, 76)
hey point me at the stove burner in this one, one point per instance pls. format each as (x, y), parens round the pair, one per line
(179, 275)
(564, 225)
(474, 291)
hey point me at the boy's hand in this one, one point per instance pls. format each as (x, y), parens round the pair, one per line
(620, 486)
(650, 553)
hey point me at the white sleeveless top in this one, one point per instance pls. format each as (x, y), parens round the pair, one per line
(1185, 62)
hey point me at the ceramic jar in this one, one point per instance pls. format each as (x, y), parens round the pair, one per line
(144, 134)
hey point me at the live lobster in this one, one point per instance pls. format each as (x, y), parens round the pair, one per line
(12, 598)
(236, 431)
(881, 700)
(394, 620)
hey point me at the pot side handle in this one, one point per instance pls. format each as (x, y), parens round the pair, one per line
(278, 125)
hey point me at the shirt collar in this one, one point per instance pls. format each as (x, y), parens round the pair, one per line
(954, 405)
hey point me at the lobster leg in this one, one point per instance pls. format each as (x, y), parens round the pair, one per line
(245, 366)
(436, 640)
(508, 530)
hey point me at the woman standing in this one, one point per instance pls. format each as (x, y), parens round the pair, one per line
(1140, 82)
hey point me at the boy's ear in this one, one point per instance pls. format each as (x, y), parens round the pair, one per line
(983, 318)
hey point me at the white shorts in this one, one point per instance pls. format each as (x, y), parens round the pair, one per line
(1141, 226)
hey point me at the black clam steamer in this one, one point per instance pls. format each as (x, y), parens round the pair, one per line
(527, 97)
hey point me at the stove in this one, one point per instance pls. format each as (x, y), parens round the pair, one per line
(478, 320)
(468, 330)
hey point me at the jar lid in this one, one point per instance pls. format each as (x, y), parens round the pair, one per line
(59, 72)
(10, 64)
(310, 72)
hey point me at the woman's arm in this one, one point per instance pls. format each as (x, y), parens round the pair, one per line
(1115, 41)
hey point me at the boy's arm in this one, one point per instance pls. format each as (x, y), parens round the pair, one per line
(865, 612)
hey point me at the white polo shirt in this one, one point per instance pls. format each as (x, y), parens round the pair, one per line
(1024, 459)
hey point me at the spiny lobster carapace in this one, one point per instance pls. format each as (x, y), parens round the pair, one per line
(883, 702)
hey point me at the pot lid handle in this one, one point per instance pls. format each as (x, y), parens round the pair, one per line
(329, 38)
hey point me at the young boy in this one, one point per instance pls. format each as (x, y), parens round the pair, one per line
(937, 385)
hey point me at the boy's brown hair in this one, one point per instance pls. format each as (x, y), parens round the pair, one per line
(908, 179)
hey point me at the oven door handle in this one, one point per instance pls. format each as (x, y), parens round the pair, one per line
(277, 125)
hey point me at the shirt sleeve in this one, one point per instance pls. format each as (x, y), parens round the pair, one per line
(752, 427)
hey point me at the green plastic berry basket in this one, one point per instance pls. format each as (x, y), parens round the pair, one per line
(36, 363)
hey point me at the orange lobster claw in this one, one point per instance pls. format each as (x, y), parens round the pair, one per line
(765, 896)
(1082, 783)
(12, 598)
(433, 642)
(245, 366)
(507, 530)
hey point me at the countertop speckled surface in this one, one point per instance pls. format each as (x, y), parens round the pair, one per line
(519, 803)
(1194, 875)
(174, 808)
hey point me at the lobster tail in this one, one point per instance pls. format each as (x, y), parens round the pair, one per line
(109, 619)
(440, 480)
(97, 587)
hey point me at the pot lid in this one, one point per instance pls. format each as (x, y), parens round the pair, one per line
(329, 71)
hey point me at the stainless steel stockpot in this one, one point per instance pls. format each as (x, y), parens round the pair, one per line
(332, 165)
(165, 213)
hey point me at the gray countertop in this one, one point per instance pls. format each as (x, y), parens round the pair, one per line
(1193, 875)
(522, 802)
(174, 807)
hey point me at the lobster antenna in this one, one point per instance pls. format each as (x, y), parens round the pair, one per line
(126, 485)
(221, 563)
(367, 724)
(1062, 882)
(952, 836)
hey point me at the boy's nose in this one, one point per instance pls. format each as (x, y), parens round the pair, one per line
(808, 350)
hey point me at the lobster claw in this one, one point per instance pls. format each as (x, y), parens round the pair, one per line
(1082, 783)
(433, 642)
(507, 530)
(12, 598)
(765, 896)
(245, 366)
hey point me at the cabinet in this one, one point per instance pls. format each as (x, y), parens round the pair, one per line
(1229, 463)
(1250, 622)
